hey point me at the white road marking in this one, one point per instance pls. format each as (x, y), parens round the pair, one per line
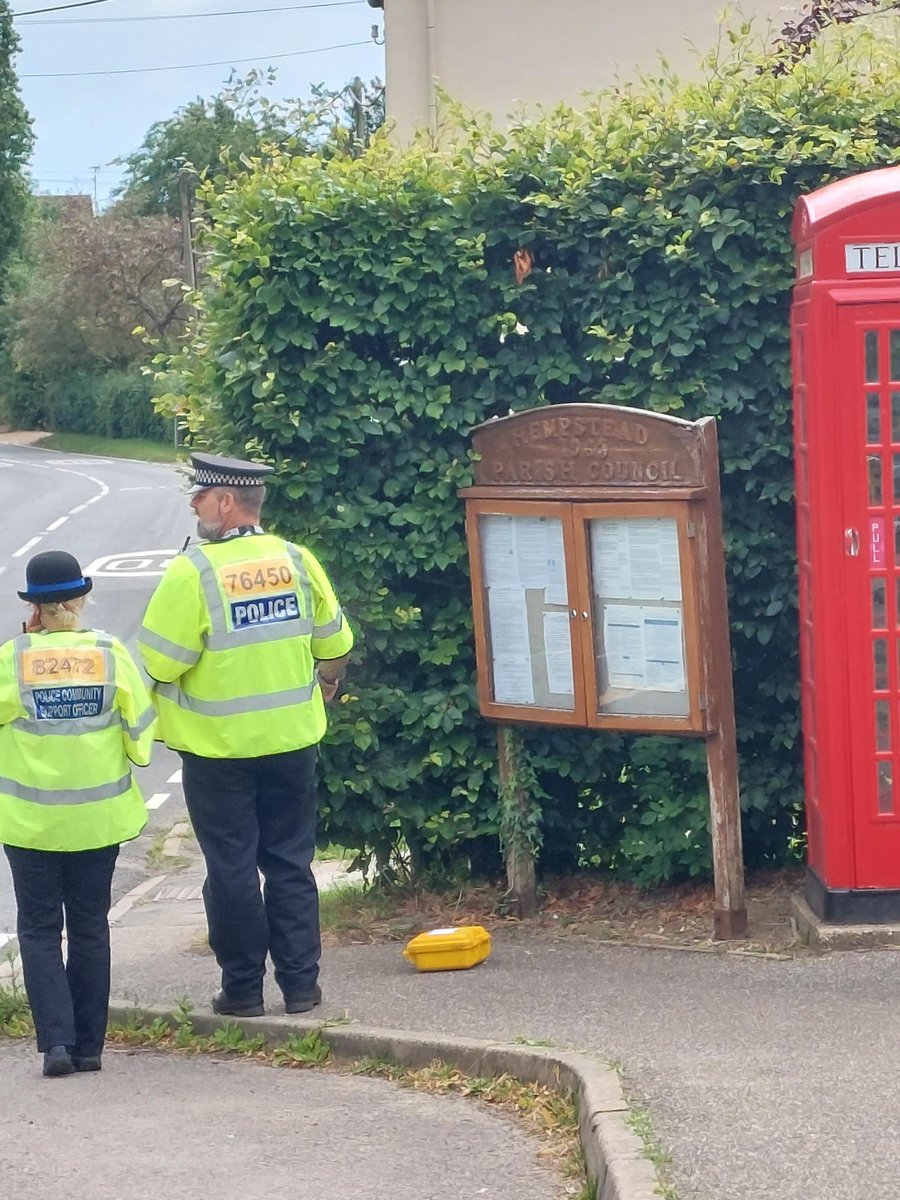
(135, 564)
(24, 549)
(148, 488)
(82, 461)
(104, 491)
(4, 938)
(157, 800)
(128, 900)
(176, 778)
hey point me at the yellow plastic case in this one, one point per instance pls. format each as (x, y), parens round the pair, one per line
(449, 949)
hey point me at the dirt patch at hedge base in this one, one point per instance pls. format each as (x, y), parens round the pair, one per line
(597, 910)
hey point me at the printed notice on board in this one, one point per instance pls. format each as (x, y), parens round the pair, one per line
(541, 557)
(664, 648)
(498, 548)
(511, 655)
(644, 647)
(636, 558)
(558, 653)
(527, 550)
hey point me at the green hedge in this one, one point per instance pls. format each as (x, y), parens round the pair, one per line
(113, 403)
(365, 314)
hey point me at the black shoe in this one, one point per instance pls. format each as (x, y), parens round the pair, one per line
(57, 1061)
(87, 1062)
(226, 1007)
(302, 1004)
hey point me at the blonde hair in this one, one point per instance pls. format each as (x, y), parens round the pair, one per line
(66, 614)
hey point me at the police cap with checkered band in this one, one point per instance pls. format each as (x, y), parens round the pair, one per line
(212, 470)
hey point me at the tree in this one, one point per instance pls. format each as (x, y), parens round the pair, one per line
(15, 146)
(94, 280)
(221, 135)
(197, 134)
(798, 35)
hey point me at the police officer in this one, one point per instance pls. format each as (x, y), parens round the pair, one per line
(245, 639)
(74, 715)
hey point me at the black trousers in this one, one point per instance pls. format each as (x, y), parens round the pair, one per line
(252, 816)
(69, 1003)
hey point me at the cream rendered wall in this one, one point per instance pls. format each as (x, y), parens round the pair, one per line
(498, 55)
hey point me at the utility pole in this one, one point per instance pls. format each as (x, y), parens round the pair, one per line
(185, 194)
(186, 179)
(96, 171)
(360, 130)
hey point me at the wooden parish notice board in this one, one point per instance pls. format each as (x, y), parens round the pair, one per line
(586, 529)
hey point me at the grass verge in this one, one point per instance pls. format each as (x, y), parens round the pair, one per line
(347, 911)
(86, 443)
(334, 853)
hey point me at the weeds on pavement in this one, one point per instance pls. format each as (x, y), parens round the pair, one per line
(15, 1015)
(639, 1121)
(306, 1051)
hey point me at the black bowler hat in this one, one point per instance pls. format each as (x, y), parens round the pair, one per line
(52, 577)
(212, 470)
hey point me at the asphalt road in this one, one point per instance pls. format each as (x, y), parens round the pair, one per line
(123, 520)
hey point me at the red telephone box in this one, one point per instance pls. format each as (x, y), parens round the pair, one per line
(846, 365)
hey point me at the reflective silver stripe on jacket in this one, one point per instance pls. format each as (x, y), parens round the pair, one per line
(333, 627)
(223, 637)
(171, 649)
(144, 723)
(305, 588)
(241, 704)
(54, 796)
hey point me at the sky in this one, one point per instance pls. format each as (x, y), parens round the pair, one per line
(82, 121)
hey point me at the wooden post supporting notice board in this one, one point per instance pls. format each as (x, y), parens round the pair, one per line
(521, 886)
(598, 585)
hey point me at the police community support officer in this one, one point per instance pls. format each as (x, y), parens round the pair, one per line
(232, 636)
(74, 715)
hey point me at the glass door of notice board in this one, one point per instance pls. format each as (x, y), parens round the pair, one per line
(635, 573)
(585, 614)
(525, 615)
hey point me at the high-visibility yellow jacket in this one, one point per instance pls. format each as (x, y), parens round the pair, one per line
(231, 636)
(74, 715)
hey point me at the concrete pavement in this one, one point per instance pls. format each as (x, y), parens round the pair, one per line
(766, 1080)
(162, 1125)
